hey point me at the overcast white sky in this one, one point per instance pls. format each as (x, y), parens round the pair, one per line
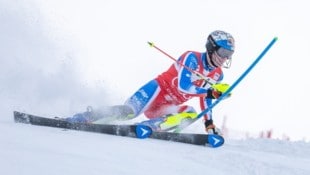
(95, 52)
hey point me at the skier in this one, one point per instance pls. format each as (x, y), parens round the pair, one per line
(194, 74)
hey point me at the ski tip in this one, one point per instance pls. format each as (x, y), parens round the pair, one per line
(143, 131)
(150, 43)
(215, 140)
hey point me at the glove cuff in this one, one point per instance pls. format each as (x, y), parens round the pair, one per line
(208, 123)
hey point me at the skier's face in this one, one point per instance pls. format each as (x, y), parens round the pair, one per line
(224, 53)
(218, 61)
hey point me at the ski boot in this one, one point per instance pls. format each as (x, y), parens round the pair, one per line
(84, 117)
(102, 115)
(170, 122)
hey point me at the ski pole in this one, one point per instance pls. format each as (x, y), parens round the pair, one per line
(186, 67)
(239, 79)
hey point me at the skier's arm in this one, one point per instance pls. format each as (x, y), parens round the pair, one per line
(187, 77)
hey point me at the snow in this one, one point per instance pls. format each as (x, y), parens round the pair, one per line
(33, 150)
(54, 55)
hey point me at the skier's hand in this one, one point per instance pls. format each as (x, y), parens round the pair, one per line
(211, 128)
(217, 90)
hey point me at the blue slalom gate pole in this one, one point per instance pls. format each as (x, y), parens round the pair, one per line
(239, 79)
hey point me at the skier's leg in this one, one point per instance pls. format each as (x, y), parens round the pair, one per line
(177, 116)
(134, 106)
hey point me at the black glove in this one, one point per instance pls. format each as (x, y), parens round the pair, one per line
(213, 94)
(211, 128)
(217, 90)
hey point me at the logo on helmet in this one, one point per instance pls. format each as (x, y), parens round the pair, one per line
(231, 43)
(223, 39)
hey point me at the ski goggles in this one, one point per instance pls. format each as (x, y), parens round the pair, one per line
(224, 53)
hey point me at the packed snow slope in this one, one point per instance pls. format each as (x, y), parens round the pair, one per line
(33, 150)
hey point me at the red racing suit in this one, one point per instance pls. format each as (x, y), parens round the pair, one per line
(166, 93)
